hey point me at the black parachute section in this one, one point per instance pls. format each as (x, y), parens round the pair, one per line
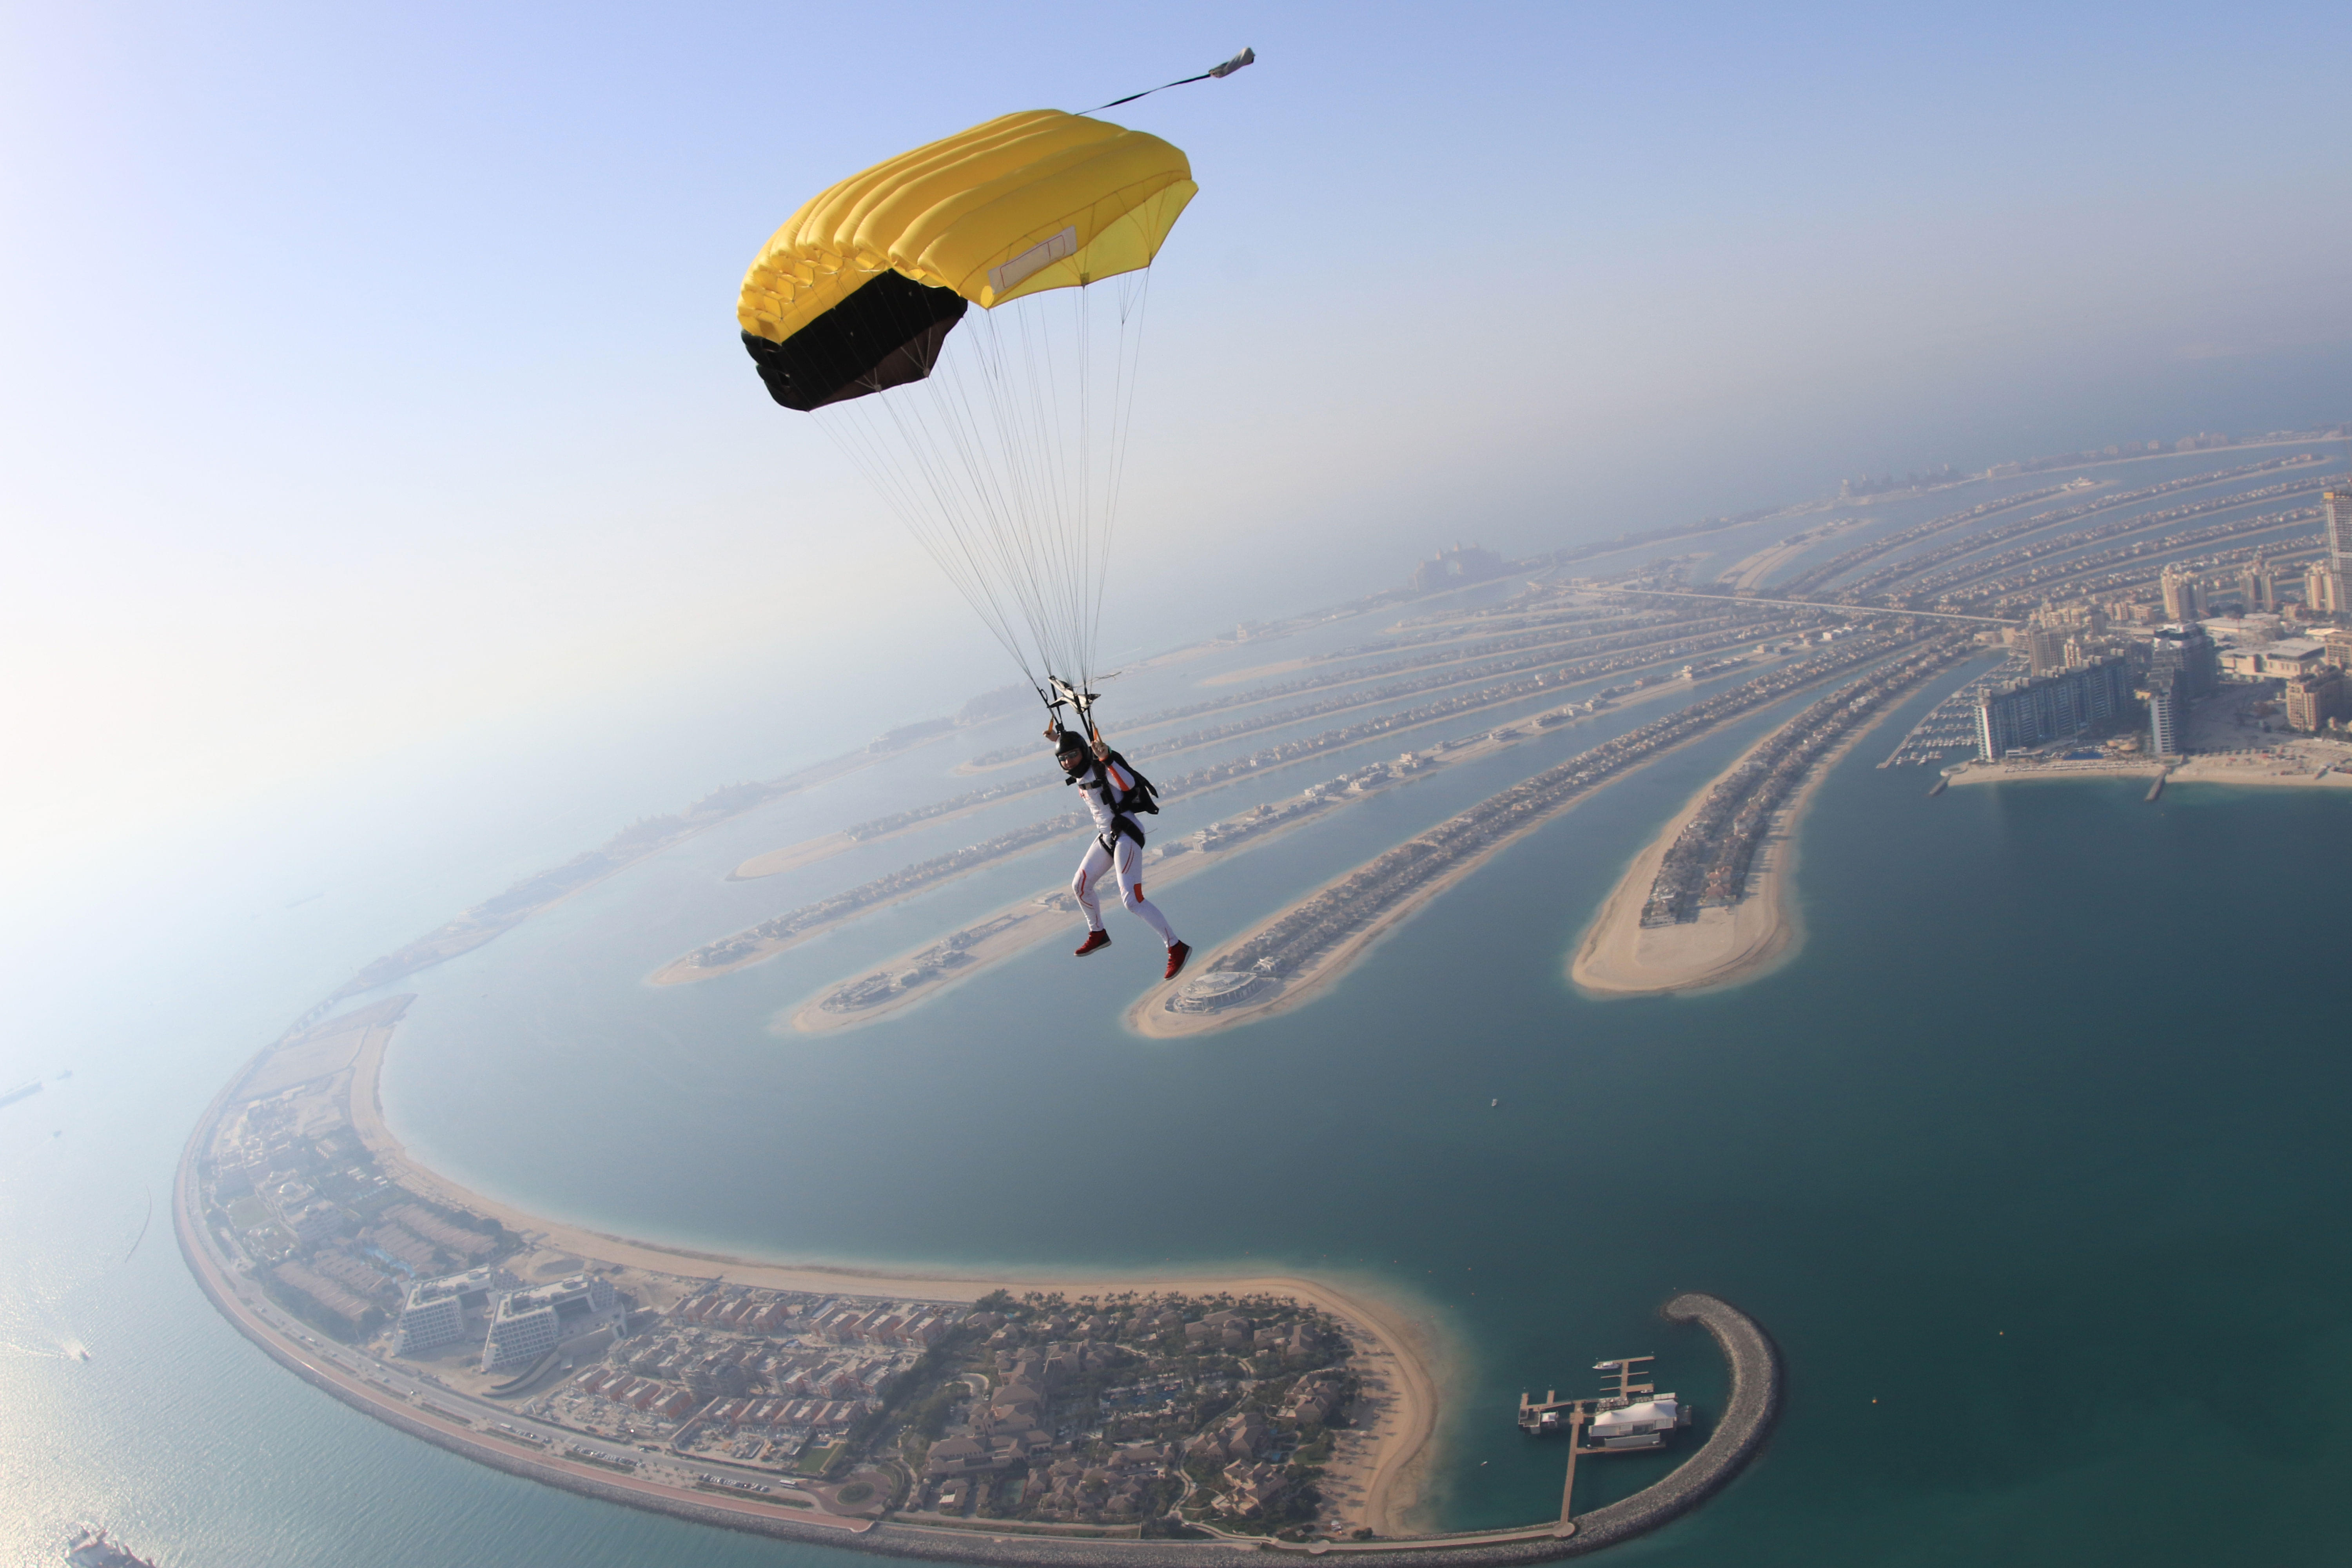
(885, 335)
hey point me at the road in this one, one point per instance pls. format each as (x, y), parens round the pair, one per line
(1803, 605)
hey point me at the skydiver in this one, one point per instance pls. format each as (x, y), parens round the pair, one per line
(1115, 794)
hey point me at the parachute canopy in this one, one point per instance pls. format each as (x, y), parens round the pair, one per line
(860, 288)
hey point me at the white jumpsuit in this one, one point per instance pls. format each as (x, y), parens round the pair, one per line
(1100, 858)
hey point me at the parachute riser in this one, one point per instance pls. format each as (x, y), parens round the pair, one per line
(1064, 695)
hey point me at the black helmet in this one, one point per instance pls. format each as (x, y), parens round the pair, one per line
(1072, 750)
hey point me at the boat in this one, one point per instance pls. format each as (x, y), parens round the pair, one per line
(89, 1547)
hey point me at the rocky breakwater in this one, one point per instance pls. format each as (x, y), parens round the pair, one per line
(1749, 1412)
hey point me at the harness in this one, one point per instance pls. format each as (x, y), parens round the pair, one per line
(1122, 825)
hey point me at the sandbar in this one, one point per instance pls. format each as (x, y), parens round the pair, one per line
(791, 857)
(1619, 956)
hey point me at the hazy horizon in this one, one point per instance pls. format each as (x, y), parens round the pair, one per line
(379, 413)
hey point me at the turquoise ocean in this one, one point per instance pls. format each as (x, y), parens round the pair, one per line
(2032, 1159)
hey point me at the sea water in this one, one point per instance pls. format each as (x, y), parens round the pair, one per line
(2031, 1159)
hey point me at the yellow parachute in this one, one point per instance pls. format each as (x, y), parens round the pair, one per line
(1021, 203)
(1003, 449)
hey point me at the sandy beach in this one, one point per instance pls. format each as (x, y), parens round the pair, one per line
(2293, 765)
(1376, 1472)
(1618, 956)
(1150, 1016)
(791, 857)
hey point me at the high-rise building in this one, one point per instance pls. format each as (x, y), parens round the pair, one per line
(2033, 712)
(2045, 646)
(2190, 653)
(2257, 586)
(2184, 594)
(2168, 714)
(2327, 585)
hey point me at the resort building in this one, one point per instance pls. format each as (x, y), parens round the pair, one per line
(315, 1222)
(1455, 568)
(2184, 594)
(1220, 989)
(2313, 700)
(2324, 587)
(2257, 586)
(530, 1323)
(435, 1313)
(2282, 660)
(2051, 707)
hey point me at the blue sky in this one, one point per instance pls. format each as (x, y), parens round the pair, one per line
(374, 380)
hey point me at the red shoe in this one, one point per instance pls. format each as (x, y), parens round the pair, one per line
(1095, 942)
(1177, 953)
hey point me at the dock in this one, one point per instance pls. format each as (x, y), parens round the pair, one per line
(1552, 1415)
(2157, 788)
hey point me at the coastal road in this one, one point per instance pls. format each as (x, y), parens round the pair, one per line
(1803, 605)
(295, 1348)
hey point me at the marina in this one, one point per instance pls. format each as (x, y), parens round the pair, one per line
(1632, 1417)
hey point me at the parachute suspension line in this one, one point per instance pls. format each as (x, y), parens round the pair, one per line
(1007, 463)
(1134, 294)
(1030, 531)
(850, 425)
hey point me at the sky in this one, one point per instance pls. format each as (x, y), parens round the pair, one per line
(374, 404)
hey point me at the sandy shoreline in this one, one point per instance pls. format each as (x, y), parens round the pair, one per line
(1618, 956)
(1397, 1349)
(2256, 773)
(1150, 1016)
(683, 971)
(791, 857)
